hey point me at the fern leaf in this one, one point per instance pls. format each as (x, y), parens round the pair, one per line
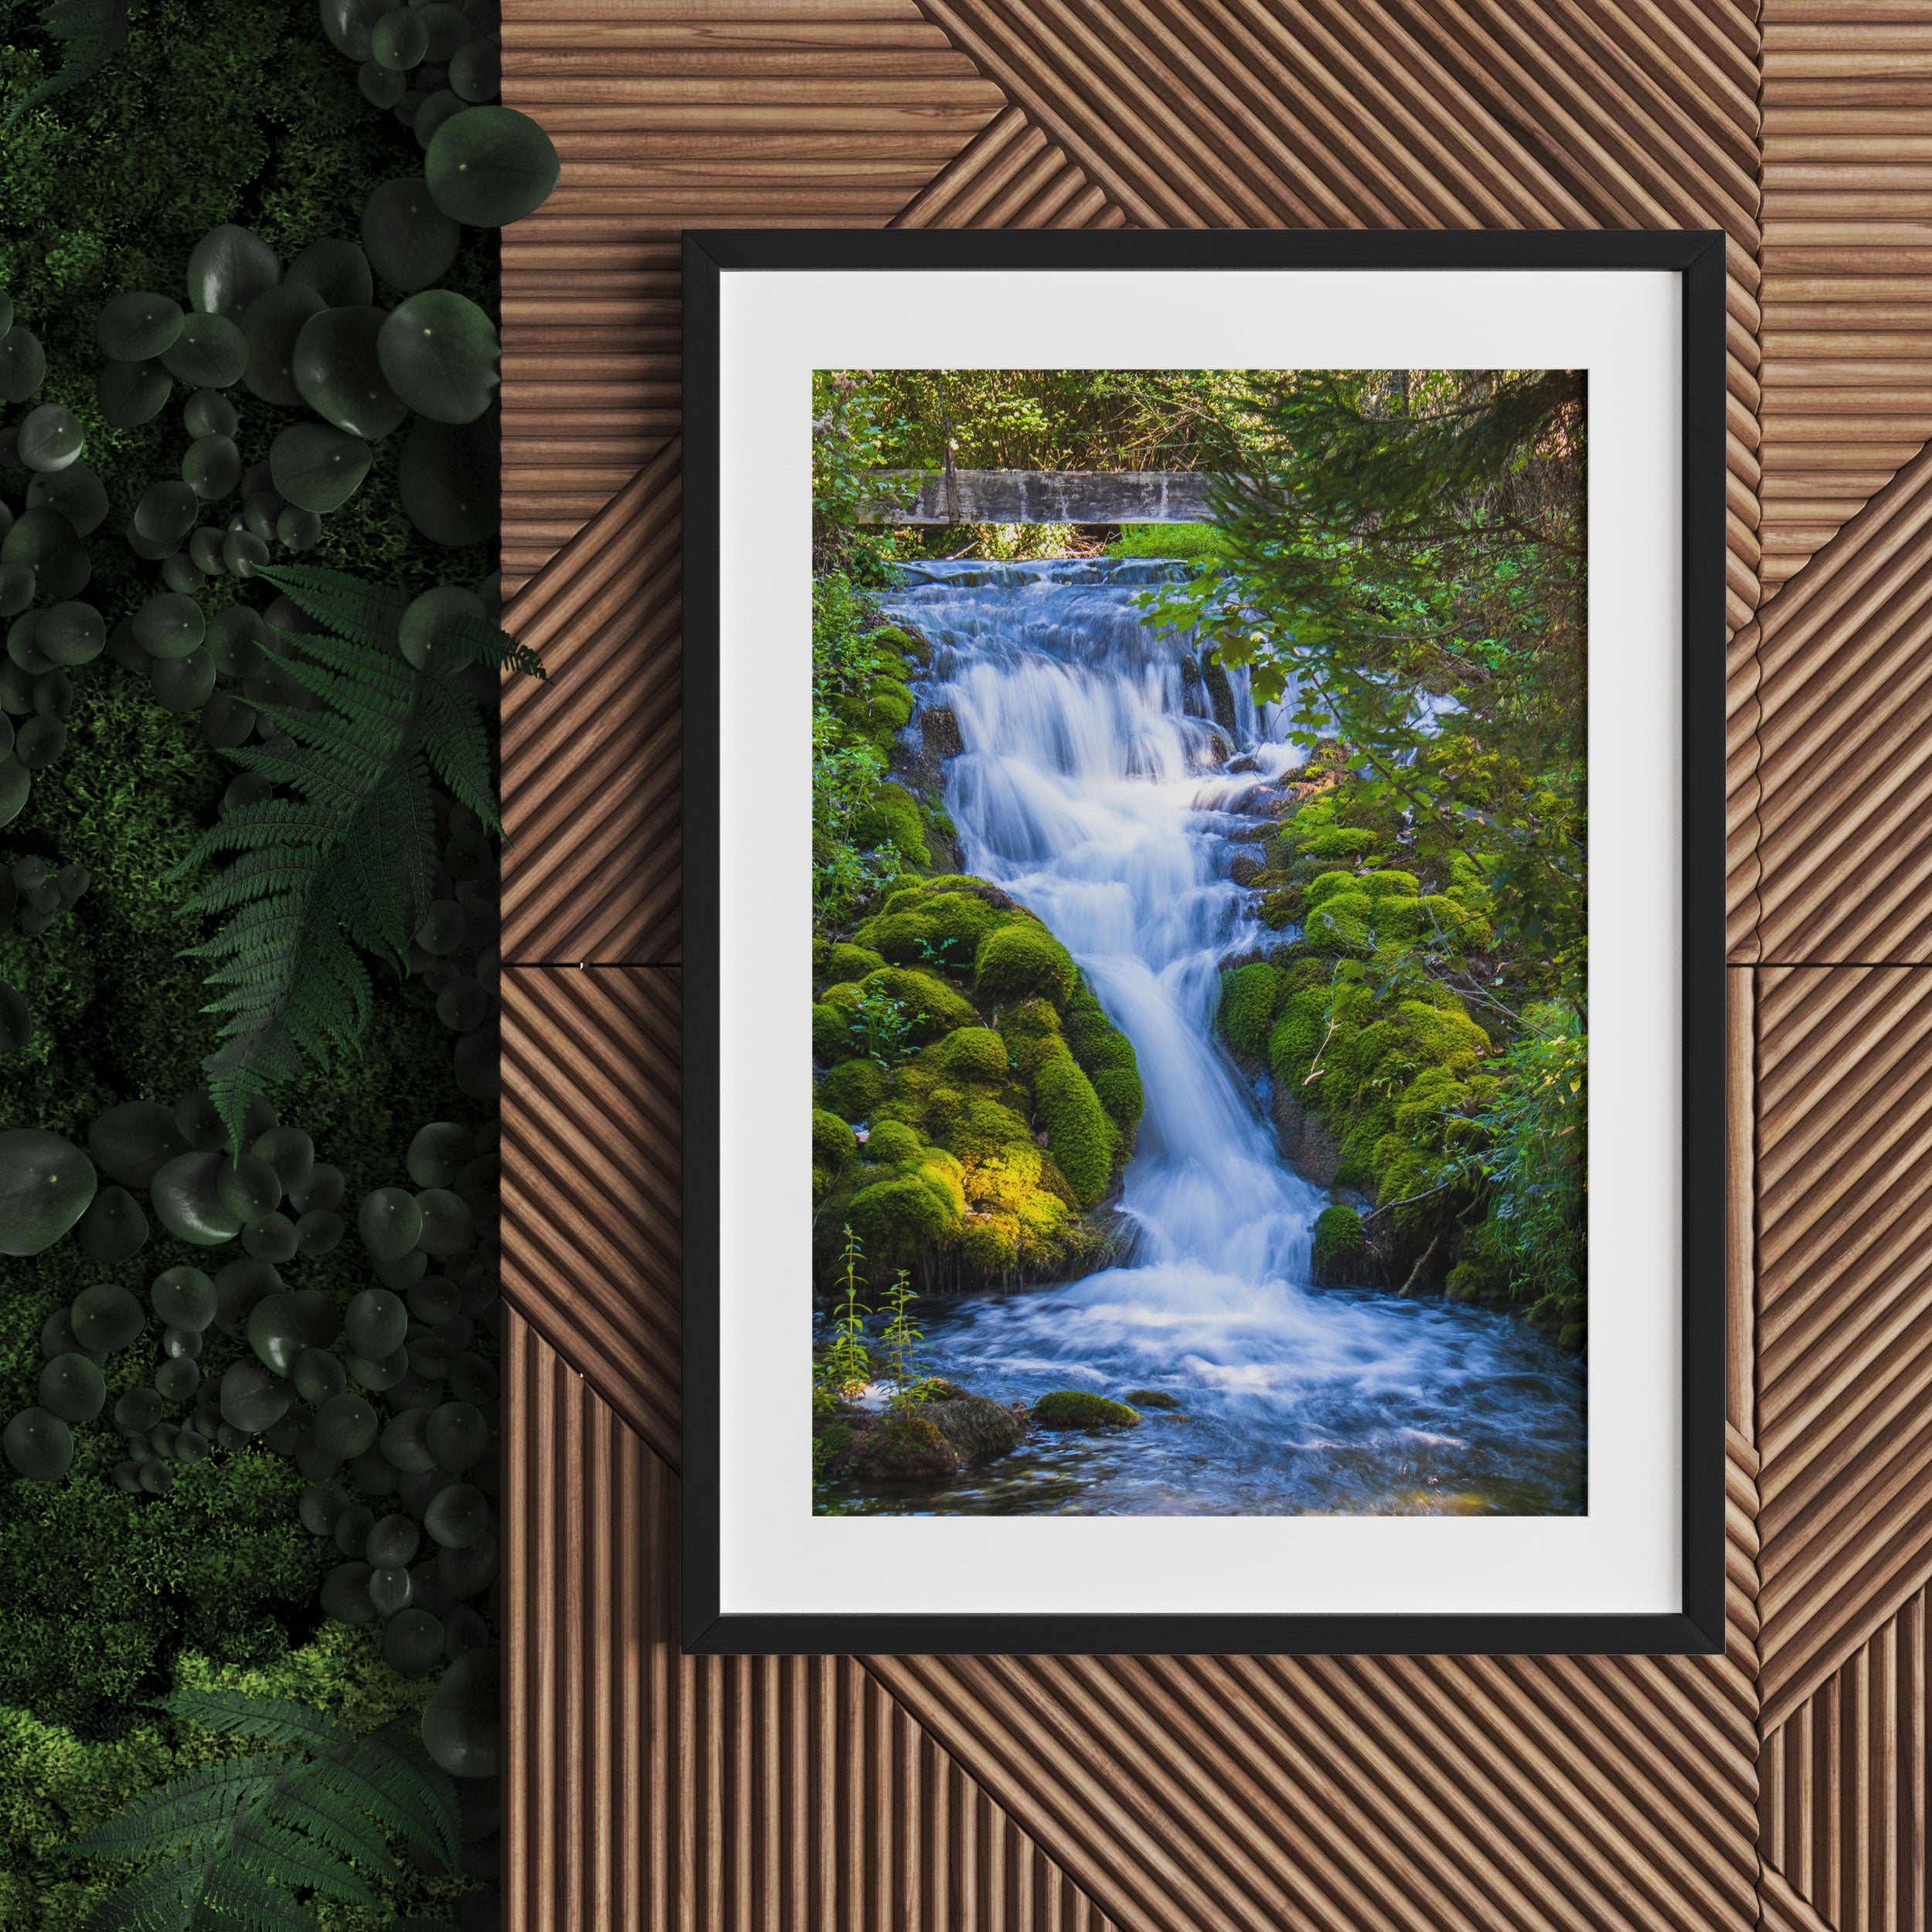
(495, 647)
(404, 1737)
(232, 1895)
(159, 1900)
(271, 1851)
(181, 1815)
(364, 613)
(454, 742)
(270, 821)
(95, 32)
(402, 1793)
(339, 1823)
(275, 1720)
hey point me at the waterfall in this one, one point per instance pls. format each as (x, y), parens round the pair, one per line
(1094, 786)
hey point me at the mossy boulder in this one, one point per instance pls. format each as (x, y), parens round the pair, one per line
(845, 961)
(890, 817)
(1340, 1248)
(1069, 1409)
(1152, 1399)
(903, 1216)
(854, 1089)
(932, 1006)
(1078, 1132)
(974, 1056)
(1248, 994)
(833, 1149)
(901, 1448)
(977, 1427)
(1023, 960)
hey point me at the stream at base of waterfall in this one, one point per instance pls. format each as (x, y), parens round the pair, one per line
(1094, 786)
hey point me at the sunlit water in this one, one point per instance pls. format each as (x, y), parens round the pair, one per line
(1093, 786)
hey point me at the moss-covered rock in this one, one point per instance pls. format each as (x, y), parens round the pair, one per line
(1340, 1246)
(854, 1089)
(831, 1032)
(890, 817)
(1248, 997)
(844, 962)
(833, 1149)
(1077, 1129)
(901, 1448)
(1023, 960)
(974, 1056)
(1067, 1409)
(1152, 1399)
(978, 1428)
(931, 1006)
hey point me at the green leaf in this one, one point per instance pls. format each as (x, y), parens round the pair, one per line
(94, 31)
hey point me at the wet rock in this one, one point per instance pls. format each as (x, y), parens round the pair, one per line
(1307, 1144)
(1244, 868)
(1082, 1409)
(977, 1427)
(1152, 1399)
(902, 1449)
(920, 752)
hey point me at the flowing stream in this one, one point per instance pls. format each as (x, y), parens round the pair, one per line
(1094, 786)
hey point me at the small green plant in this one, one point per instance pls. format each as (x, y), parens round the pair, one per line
(248, 1842)
(881, 1024)
(846, 1367)
(348, 864)
(902, 1335)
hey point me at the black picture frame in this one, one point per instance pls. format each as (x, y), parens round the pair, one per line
(1698, 1627)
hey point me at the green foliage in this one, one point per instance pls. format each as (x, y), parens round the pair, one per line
(94, 32)
(1081, 1409)
(251, 1840)
(1078, 1134)
(844, 1366)
(1338, 1236)
(1187, 541)
(348, 864)
(1023, 960)
(901, 1335)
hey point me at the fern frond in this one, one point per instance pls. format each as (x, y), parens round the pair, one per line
(271, 1851)
(182, 1816)
(242, 1898)
(408, 1794)
(404, 1737)
(364, 613)
(266, 870)
(275, 1720)
(159, 1900)
(282, 821)
(495, 648)
(456, 744)
(95, 32)
(327, 1815)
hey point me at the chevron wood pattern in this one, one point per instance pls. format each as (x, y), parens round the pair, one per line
(1782, 1786)
(648, 1790)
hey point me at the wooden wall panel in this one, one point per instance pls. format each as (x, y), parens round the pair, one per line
(651, 1790)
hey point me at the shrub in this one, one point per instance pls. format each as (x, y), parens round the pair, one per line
(989, 1244)
(1024, 960)
(1077, 1130)
(1118, 1088)
(1081, 1409)
(1185, 541)
(1248, 997)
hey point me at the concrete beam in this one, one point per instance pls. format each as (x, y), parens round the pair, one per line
(1046, 496)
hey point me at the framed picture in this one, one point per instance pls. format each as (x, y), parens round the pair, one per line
(1228, 726)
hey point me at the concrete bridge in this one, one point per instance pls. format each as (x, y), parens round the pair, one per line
(1044, 496)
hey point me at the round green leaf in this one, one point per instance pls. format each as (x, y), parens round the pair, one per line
(449, 29)
(176, 1380)
(15, 783)
(280, 1326)
(51, 438)
(447, 1228)
(252, 1399)
(212, 352)
(337, 270)
(166, 512)
(348, 23)
(393, 1541)
(226, 721)
(72, 1388)
(339, 370)
(77, 493)
(184, 1298)
(169, 625)
(212, 467)
(40, 1445)
(375, 1324)
(345, 1594)
(409, 240)
(204, 550)
(406, 1443)
(298, 529)
(439, 352)
(23, 364)
(322, 1192)
(16, 1022)
(234, 638)
(138, 1411)
(318, 466)
(208, 411)
(137, 327)
(185, 1203)
(132, 1142)
(389, 1590)
(413, 1642)
(131, 393)
(249, 1188)
(227, 269)
(183, 685)
(106, 1318)
(458, 1436)
(490, 166)
(238, 1288)
(114, 1230)
(351, 1529)
(447, 479)
(44, 538)
(16, 588)
(476, 70)
(319, 1377)
(273, 321)
(271, 1237)
(465, 1572)
(381, 86)
(379, 1373)
(463, 1723)
(198, 1120)
(45, 1185)
(426, 617)
(345, 1425)
(181, 573)
(440, 1151)
(71, 633)
(391, 1223)
(398, 41)
(436, 109)
(40, 741)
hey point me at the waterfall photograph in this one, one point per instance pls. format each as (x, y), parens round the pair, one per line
(1200, 1021)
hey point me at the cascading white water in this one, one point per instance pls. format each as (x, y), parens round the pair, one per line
(1092, 786)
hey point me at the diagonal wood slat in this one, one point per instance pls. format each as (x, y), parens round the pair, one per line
(647, 1790)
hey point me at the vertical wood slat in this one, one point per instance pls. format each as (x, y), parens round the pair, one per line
(647, 1790)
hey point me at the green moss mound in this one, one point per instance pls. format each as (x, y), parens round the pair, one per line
(1152, 1399)
(1339, 1236)
(1023, 960)
(1081, 1409)
(1248, 997)
(1077, 1131)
